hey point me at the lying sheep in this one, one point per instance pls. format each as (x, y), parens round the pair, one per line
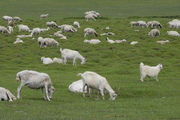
(92, 41)
(88, 31)
(7, 18)
(51, 24)
(110, 41)
(108, 33)
(72, 55)
(22, 27)
(18, 40)
(96, 81)
(4, 30)
(46, 60)
(154, 33)
(150, 71)
(120, 41)
(142, 24)
(23, 36)
(90, 17)
(76, 24)
(67, 28)
(133, 42)
(37, 31)
(174, 23)
(42, 16)
(5, 94)
(57, 60)
(173, 33)
(77, 87)
(162, 42)
(61, 36)
(35, 80)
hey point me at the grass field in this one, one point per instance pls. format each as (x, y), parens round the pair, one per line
(119, 63)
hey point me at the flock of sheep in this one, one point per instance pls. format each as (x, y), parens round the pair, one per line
(89, 80)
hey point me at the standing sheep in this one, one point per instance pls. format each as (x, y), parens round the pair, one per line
(154, 33)
(88, 31)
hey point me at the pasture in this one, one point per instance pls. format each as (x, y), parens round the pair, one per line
(119, 63)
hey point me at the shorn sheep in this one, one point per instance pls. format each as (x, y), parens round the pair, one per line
(96, 81)
(35, 80)
(6, 95)
(150, 71)
(72, 55)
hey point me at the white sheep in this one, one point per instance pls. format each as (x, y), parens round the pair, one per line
(108, 33)
(22, 27)
(44, 42)
(142, 24)
(92, 41)
(110, 41)
(77, 87)
(76, 24)
(23, 36)
(72, 55)
(42, 16)
(37, 31)
(133, 42)
(154, 33)
(150, 71)
(7, 18)
(61, 36)
(57, 60)
(133, 23)
(90, 17)
(173, 33)
(5, 94)
(96, 81)
(46, 60)
(51, 24)
(120, 41)
(174, 23)
(18, 40)
(162, 42)
(18, 19)
(67, 28)
(88, 31)
(35, 80)
(5, 30)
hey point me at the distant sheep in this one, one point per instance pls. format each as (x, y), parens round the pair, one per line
(42, 16)
(44, 42)
(46, 60)
(133, 42)
(173, 33)
(51, 24)
(150, 71)
(133, 23)
(18, 40)
(88, 31)
(17, 19)
(61, 36)
(76, 24)
(57, 60)
(162, 42)
(92, 41)
(6, 95)
(4, 30)
(67, 28)
(22, 27)
(7, 18)
(154, 33)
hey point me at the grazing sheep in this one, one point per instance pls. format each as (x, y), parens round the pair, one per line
(96, 81)
(67, 28)
(57, 60)
(35, 80)
(88, 31)
(72, 55)
(35, 31)
(150, 71)
(142, 24)
(46, 60)
(7, 18)
(77, 87)
(90, 17)
(173, 33)
(162, 42)
(133, 23)
(51, 24)
(18, 19)
(5, 94)
(133, 42)
(44, 42)
(42, 16)
(76, 24)
(154, 33)
(61, 36)
(92, 41)
(110, 41)
(22, 27)
(18, 40)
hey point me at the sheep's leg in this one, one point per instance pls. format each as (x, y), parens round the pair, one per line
(97, 94)
(85, 35)
(102, 93)
(142, 78)
(65, 60)
(47, 94)
(43, 93)
(9, 97)
(157, 78)
(89, 92)
(74, 61)
(84, 89)
(19, 91)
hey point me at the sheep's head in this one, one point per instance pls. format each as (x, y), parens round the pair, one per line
(51, 91)
(83, 61)
(160, 66)
(42, 58)
(113, 96)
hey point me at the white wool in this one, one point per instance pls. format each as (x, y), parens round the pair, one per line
(57, 60)
(46, 60)
(61, 36)
(110, 41)
(18, 19)
(18, 40)
(23, 28)
(44, 16)
(173, 33)
(88, 31)
(77, 87)
(92, 41)
(23, 36)
(76, 24)
(133, 42)
(67, 28)
(51, 24)
(154, 33)
(162, 42)
(7, 18)
(5, 94)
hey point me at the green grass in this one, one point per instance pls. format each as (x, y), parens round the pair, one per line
(109, 8)
(119, 63)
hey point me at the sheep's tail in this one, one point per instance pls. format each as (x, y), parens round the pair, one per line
(61, 49)
(79, 74)
(141, 65)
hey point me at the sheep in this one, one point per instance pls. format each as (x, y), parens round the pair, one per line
(90, 17)
(156, 24)
(133, 23)
(42, 16)
(44, 42)
(5, 94)
(96, 81)
(41, 42)
(4, 30)
(57, 60)
(77, 87)
(51, 24)
(150, 71)
(22, 27)
(35, 80)
(76, 24)
(120, 41)
(92, 41)
(110, 41)
(18, 19)
(11, 23)
(162, 42)
(142, 24)
(46, 60)
(23, 36)
(88, 31)
(108, 33)
(18, 40)
(96, 14)
(67, 28)
(174, 23)
(173, 33)
(37, 31)
(133, 42)
(7, 18)
(107, 28)
(154, 33)
(71, 54)
(61, 36)
(10, 29)
(44, 29)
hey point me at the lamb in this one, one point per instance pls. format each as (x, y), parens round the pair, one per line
(88, 31)
(162, 42)
(92, 41)
(173, 33)
(96, 81)
(77, 87)
(35, 80)
(18, 40)
(18, 19)
(46, 60)
(5, 94)
(7, 18)
(133, 23)
(5, 30)
(76, 24)
(67, 28)
(22, 27)
(42, 16)
(154, 33)
(150, 71)
(133, 42)
(57, 60)
(61, 36)
(51, 24)
(72, 55)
